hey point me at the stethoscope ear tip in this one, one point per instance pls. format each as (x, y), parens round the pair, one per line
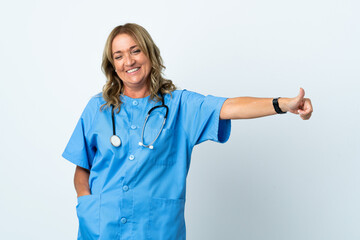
(150, 146)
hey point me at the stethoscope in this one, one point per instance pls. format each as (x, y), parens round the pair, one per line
(116, 141)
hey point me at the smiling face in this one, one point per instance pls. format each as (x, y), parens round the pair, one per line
(131, 64)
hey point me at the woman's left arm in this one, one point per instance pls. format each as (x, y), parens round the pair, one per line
(251, 107)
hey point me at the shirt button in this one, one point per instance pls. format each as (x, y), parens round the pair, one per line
(125, 188)
(131, 157)
(133, 127)
(123, 220)
(135, 103)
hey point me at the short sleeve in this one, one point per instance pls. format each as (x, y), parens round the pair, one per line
(80, 150)
(201, 118)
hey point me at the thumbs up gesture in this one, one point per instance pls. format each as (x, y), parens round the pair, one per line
(300, 105)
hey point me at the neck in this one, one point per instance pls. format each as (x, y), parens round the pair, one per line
(136, 93)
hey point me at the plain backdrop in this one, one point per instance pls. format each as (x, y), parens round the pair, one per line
(277, 178)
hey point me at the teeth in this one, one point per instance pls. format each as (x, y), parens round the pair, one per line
(133, 70)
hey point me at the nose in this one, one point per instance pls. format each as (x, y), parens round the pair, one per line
(129, 60)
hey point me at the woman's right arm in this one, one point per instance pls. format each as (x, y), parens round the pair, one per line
(81, 181)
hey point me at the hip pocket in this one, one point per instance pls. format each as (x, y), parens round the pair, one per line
(88, 212)
(167, 219)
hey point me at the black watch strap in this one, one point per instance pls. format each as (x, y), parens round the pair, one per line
(276, 106)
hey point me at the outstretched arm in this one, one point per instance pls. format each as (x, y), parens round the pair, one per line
(251, 107)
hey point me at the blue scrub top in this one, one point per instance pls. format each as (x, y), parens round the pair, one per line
(136, 192)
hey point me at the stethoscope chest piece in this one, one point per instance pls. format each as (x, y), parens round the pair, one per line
(115, 141)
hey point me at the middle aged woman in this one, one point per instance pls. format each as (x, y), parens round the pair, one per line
(133, 186)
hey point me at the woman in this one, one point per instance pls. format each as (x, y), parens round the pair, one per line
(131, 169)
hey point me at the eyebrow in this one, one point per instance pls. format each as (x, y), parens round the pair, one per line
(129, 48)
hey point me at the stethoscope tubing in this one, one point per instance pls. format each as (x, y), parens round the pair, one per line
(116, 141)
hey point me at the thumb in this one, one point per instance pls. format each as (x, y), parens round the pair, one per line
(301, 94)
(296, 103)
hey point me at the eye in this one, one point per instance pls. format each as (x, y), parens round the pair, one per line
(136, 51)
(118, 57)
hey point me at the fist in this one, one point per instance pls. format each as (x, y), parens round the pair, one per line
(300, 105)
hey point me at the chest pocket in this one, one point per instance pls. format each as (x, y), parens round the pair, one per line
(163, 152)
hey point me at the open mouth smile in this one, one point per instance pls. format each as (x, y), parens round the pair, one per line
(133, 70)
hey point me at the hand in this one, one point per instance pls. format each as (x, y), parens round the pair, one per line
(300, 105)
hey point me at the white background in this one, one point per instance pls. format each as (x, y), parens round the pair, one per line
(277, 177)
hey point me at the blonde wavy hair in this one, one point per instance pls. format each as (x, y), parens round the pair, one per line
(113, 87)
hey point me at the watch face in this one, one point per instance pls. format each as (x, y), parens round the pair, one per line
(115, 141)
